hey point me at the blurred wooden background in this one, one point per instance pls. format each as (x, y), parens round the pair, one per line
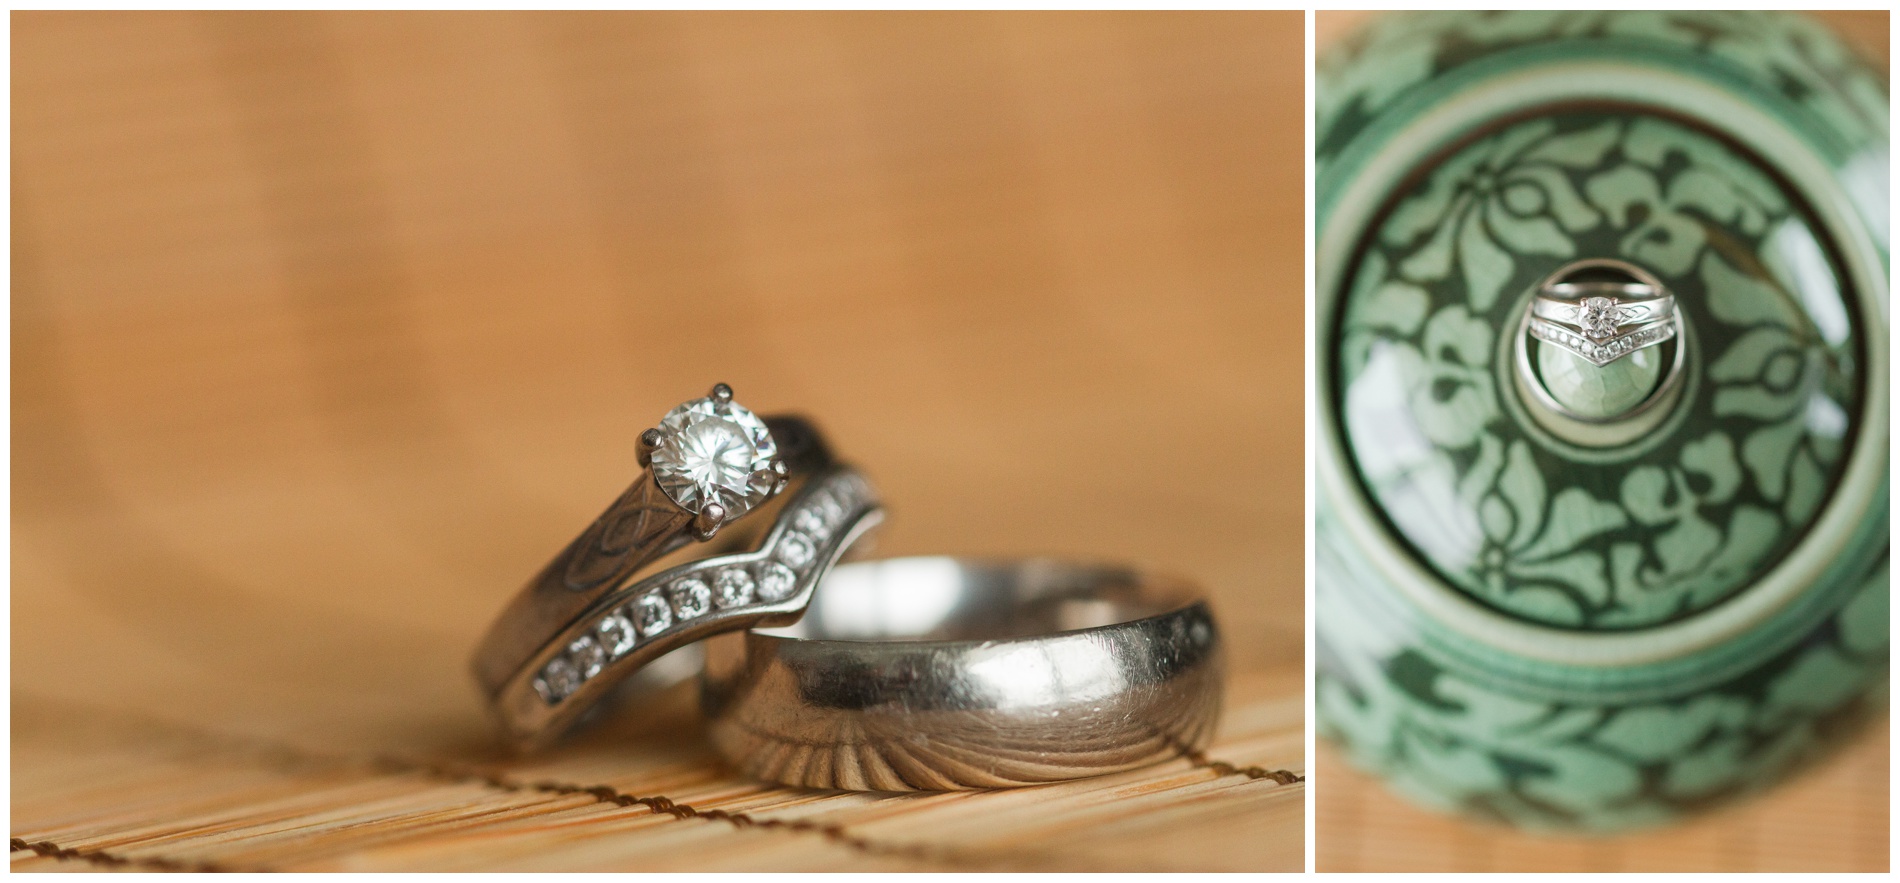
(1833, 818)
(329, 329)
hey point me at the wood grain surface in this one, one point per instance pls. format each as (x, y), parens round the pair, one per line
(329, 329)
(1831, 818)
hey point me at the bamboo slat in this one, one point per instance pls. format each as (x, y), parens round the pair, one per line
(108, 789)
(330, 328)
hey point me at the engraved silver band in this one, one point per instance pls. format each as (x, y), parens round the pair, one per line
(939, 674)
(1628, 312)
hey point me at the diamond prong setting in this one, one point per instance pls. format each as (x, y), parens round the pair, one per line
(713, 458)
(708, 521)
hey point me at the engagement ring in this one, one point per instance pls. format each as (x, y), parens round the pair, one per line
(586, 622)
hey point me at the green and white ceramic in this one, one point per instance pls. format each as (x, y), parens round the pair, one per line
(1596, 625)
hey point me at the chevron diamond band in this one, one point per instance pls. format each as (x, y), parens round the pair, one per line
(1603, 351)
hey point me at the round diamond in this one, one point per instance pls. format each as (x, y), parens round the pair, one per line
(690, 597)
(1598, 317)
(557, 680)
(831, 505)
(732, 587)
(587, 656)
(812, 520)
(713, 452)
(652, 614)
(616, 634)
(776, 581)
(796, 549)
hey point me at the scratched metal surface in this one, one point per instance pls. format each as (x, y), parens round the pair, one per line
(329, 329)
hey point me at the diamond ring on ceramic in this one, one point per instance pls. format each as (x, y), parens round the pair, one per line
(1584, 349)
(592, 617)
(1598, 309)
(1603, 311)
(1598, 623)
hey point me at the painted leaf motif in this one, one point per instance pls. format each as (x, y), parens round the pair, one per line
(1688, 544)
(1863, 621)
(1522, 486)
(1486, 266)
(1560, 199)
(1717, 767)
(1575, 518)
(1582, 572)
(1821, 679)
(1433, 260)
(1455, 400)
(1394, 306)
(1656, 732)
(1713, 457)
(1806, 486)
(1581, 149)
(1714, 197)
(1751, 533)
(1658, 236)
(1644, 492)
(1527, 233)
(1443, 198)
(1742, 299)
(1767, 453)
(1583, 778)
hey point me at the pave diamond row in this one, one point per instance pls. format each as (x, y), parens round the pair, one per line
(1601, 354)
(719, 587)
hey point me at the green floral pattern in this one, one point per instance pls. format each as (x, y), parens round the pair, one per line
(1798, 57)
(1449, 741)
(1619, 541)
(1594, 541)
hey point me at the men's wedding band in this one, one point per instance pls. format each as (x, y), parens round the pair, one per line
(938, 674)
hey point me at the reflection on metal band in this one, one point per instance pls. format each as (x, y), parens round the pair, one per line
(1024, 673)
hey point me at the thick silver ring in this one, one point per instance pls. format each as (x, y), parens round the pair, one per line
(589, 619)
(944, 674)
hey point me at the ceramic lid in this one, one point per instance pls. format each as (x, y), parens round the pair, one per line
(1728, 157)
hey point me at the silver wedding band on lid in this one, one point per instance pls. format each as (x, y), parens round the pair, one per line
(589, 619)
(940, 674)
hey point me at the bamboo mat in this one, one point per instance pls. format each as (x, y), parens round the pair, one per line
(1835, 817)
(329, 329)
